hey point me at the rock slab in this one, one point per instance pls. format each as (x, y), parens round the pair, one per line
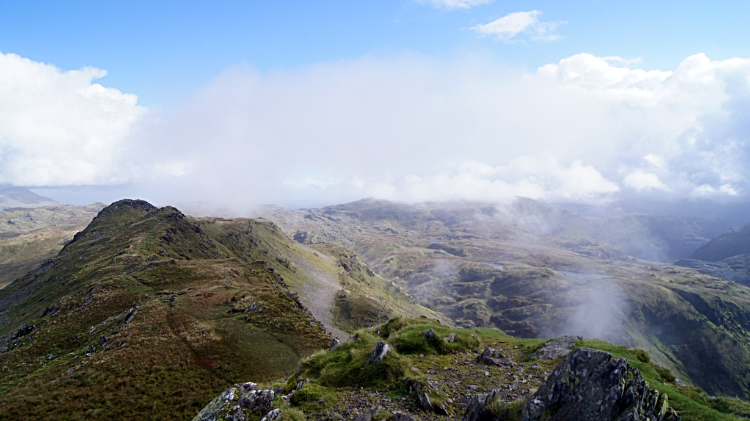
(556, 347)
(589, 385)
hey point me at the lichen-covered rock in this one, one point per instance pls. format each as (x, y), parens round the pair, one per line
(240, 402)
(556, 347)
(589, 385)
(381, 350)
(491, 356)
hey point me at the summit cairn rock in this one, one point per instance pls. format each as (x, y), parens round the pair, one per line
(589, 385)
(381, 350)
(556, 347)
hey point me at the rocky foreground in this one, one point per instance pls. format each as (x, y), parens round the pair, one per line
(501, 383)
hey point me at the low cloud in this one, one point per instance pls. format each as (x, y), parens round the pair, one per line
(586, 129)
(454, 4)
(511, 26)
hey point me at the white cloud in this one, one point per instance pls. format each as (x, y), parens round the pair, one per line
(643, 181)
(527, 176)
(59, 128)
(508, 27)
(585, 129)
(454, 4)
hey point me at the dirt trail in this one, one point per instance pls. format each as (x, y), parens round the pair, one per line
(318, 295)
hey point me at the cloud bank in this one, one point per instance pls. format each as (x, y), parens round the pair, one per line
(411, 128)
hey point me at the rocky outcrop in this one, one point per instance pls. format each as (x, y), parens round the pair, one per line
(556, 347)
(240, 402)
(590, 385)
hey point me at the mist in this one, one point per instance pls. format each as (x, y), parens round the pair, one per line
(598, 313)
(411, 128)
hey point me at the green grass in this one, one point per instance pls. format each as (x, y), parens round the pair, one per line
(345, 365)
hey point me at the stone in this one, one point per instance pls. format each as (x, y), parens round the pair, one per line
(378, 354)
(424, 402)
(590, 385)
(273, 415)
(240, 402)
(491, 356)
(451, 338)
(430, 334)
(369, 415)
(480, 407)
(557, 347)
(400, 416)
(333, 344)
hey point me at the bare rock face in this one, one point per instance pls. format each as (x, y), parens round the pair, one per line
(589, 385)
(557, 347)
(381, 350)
(238, 402)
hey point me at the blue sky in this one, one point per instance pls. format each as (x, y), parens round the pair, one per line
(164, 50)
(314, 103)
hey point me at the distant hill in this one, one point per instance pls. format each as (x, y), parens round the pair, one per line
(30, 236)
(731, 243)
(17, 197)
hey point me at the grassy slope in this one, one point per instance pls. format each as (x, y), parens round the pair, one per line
(28, 237)
(188, 341)
(21, 254)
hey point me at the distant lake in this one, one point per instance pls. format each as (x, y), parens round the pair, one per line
(585, 275)
(496, 265)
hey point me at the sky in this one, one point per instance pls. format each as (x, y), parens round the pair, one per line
(314, 103)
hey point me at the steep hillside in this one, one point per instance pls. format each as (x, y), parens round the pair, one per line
(474, 264)
(148, 313)
(30, 236)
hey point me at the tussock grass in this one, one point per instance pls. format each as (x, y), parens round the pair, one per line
(345, 365)
(408, 337)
